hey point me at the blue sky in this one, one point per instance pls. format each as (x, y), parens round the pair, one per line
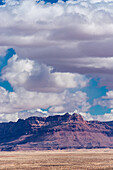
(56, 58)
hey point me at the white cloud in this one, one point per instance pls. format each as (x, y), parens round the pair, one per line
(105, 100)
(33, 112)
(87, 116)
(109, 95)
(105, 117)
(8, 117)
(13, 102)
(55, 44)
(39, 77)
(25, 100)
(11, 2)
(53, 33)
(77, 100)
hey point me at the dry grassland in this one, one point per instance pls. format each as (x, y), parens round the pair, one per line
(57, 160)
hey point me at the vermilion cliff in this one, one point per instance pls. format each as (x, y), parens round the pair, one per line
(55, 132)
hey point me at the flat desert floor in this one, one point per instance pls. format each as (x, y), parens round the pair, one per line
(58, 160)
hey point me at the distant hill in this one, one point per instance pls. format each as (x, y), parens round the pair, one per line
(55, 132)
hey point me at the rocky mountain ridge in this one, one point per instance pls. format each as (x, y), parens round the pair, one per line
(55, 132)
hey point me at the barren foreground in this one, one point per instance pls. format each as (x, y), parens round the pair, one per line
(56, 160)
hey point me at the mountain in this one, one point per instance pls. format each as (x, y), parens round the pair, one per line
(55, 132)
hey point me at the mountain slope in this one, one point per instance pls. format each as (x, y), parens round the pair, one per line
(55, 132)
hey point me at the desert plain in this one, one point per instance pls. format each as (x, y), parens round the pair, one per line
(81, 159)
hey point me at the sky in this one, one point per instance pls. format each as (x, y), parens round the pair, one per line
(56, 57)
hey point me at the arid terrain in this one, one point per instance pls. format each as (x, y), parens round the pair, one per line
(59, 132)
(58, 160)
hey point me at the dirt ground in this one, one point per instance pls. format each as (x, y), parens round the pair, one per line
(58, 160)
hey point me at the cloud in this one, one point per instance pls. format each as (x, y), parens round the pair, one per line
(109, 95)
(34, 76)
(87, 116)
(77, 100)
(105, 100)
(8, 117)
(22, 115)
(57, 47)
(105, 117)
(60, 34)
(13, 102)
(37, 85)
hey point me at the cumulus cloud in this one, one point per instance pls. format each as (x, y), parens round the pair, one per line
(53, 33)
(24, 114)
(87, 116)
(34, 76)
(23, 103)
(77, 100)
(23, 100)
(105, 117)
(56, 45)
(37, 85)
(8, 117)
(13, 102)
(105, 100)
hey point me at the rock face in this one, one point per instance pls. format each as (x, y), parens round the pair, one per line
(55, 132)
